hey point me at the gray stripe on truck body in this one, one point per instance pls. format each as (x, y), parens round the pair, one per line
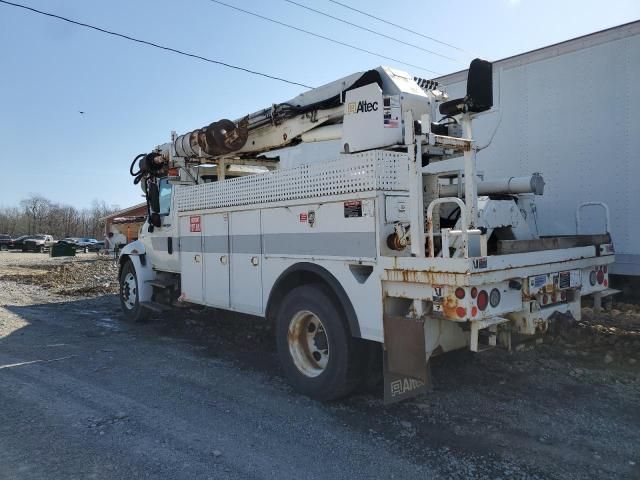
(216, 244)
(250, 244)
(333, 244)
(191, 244)
(344, 244)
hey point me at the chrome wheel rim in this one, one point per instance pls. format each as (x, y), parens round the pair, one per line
(129, 291)
(308, 343)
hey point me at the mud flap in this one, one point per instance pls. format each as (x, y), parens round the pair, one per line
(406, 370)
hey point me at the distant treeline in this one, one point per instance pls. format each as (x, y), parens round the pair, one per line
(37, 214)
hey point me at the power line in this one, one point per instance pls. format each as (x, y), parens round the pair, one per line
(370, 30)
(151, 44)
(397, 26)
(332, 40)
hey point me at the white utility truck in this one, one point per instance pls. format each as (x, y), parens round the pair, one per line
(352, 216)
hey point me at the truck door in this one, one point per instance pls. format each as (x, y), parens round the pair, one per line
(164, 239)
(216, 259)
(246, 261)
(191, 258)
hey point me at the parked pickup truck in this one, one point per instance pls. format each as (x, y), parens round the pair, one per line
(38, 243)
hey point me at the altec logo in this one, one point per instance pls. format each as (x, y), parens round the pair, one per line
(362, 106)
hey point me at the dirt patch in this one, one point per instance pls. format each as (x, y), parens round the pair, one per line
(70, 277)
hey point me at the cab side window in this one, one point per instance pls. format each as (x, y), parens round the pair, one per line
(165, 197)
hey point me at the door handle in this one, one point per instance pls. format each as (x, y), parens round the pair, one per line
(196, 258)
(254, 261)
(223, 259)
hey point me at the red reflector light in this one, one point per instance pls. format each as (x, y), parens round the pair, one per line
(461, 312)
(606, 282)
(554, 298)
(483, 300)
(474, 311)
(474, 292)
(460, 293)
(600, 276)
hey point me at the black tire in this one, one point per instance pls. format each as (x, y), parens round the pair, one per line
(135, 313)
(41, 249)
(86, 250)
(344, 367)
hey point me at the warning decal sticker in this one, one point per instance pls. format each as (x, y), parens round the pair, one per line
(352, 208)
(194, 223)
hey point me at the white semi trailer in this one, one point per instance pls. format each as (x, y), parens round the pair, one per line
(572, 111)
(352, 217)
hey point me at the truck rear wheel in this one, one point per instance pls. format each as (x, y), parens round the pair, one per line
(317, 352)
(129, 298)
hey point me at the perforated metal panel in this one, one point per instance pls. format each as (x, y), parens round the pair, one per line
(367, 171)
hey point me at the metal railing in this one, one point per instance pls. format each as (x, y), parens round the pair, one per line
(445, 233)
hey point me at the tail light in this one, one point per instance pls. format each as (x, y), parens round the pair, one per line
(563, 295)
(461, 312)
(545, 299)
(460, 293)
(494, 297)
(600, 277)
(483, 300)
(604, 268)
(474, 292)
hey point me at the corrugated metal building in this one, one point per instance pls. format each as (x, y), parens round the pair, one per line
(572, 112)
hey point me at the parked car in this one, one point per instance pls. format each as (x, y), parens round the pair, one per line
(17, 243)
(89, 244)
(38, 243)
(83, 244)
(5, 242)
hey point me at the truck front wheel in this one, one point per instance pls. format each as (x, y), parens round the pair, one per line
(317, 352)
(129, 297)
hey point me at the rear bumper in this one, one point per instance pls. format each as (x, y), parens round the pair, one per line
(520, 287)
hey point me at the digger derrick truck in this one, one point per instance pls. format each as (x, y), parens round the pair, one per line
(353, 216)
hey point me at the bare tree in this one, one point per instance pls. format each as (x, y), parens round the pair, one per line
(37, 214)
(36, 208)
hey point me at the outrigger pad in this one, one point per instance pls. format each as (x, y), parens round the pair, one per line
(406, 372)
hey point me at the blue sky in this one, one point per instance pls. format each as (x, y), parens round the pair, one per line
(134, 95)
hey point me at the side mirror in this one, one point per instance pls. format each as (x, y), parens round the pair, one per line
(479, 95)
(153, 193)
(155, 219)
(479, 86)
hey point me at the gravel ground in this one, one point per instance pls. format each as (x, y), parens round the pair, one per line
(199, 394)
